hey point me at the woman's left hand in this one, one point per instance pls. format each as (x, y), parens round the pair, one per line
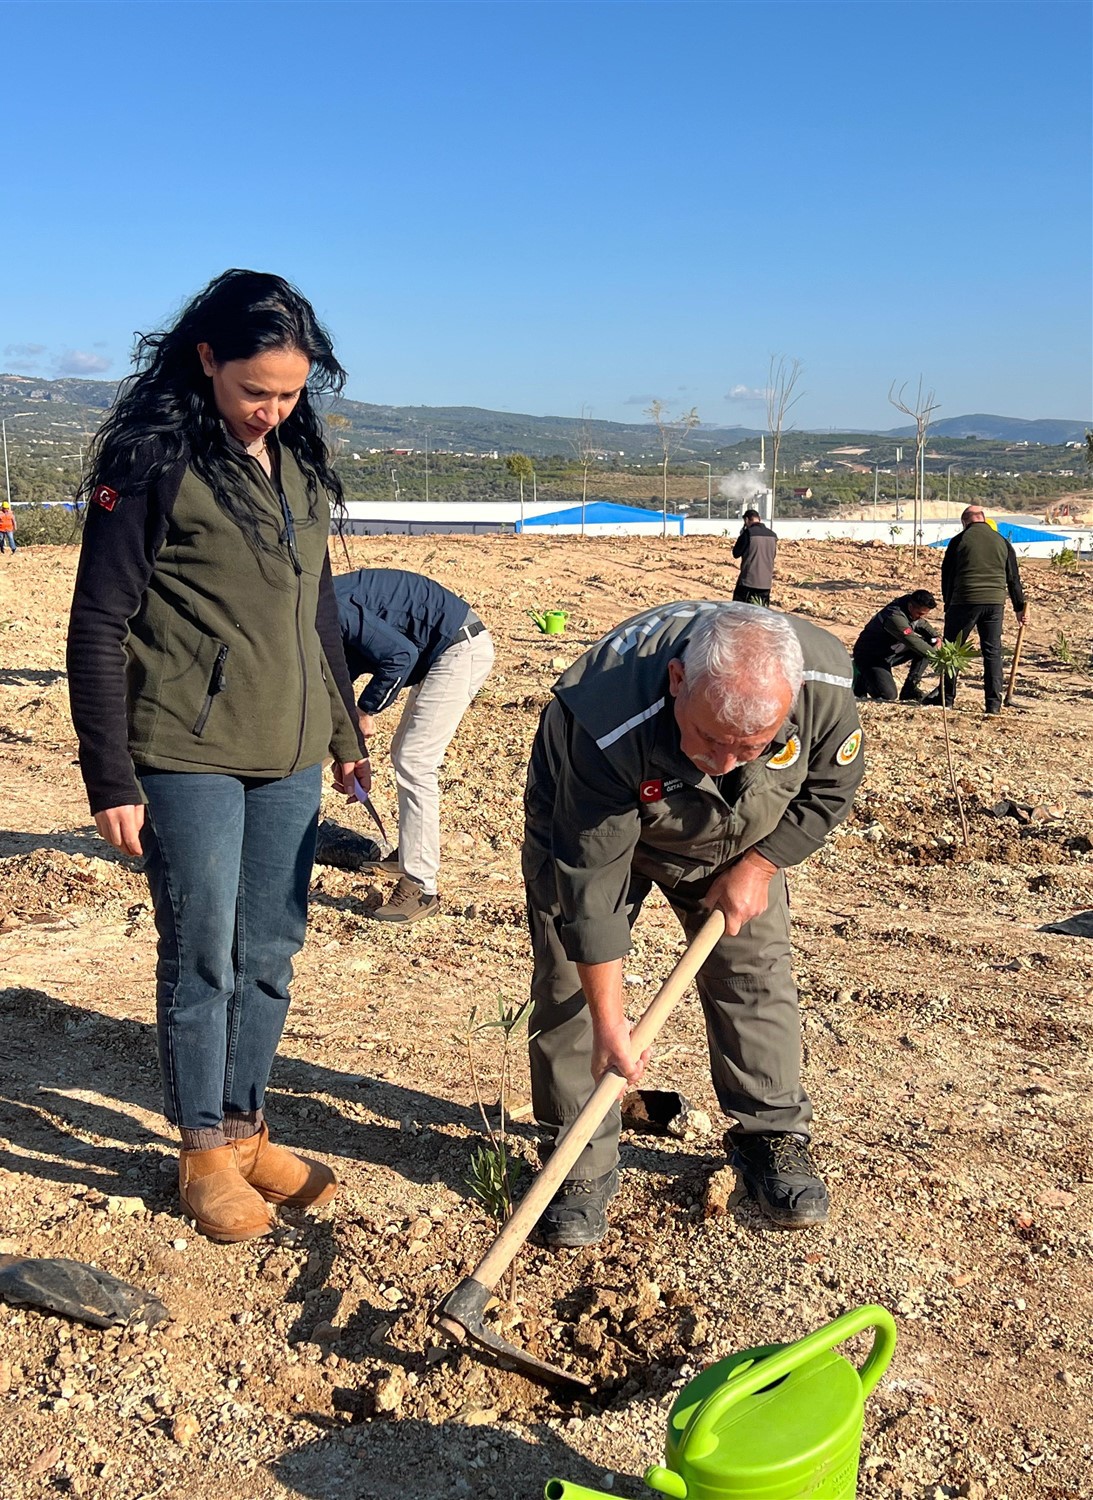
(344, 772)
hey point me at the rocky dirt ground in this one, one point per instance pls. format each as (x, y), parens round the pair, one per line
(947, 1044)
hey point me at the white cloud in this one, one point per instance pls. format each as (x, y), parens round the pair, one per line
(80, 362)
(746, 393)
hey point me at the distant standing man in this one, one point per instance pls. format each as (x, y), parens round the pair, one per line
(701, 748)
(409, 631)
(7, 526)
(977, 572)
(756, 547)
(896, 634)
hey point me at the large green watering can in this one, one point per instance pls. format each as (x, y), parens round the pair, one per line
(783, 1422)
(551, 621)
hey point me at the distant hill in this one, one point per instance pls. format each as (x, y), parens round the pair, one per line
(1049, 430)
(69, 410)
(48, 405)
(475, 429)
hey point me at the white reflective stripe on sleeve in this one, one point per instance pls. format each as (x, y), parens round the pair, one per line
(829, 677)
(623, 642)
(631, 637)
(617, 734)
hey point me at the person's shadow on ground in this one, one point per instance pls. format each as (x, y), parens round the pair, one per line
(55, 1053)
(399, 1460)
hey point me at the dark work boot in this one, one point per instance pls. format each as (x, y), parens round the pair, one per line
(577, 1214)
(779, 1173)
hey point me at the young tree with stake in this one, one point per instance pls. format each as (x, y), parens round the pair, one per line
(672, 431)
(520, 467)
(922, 411)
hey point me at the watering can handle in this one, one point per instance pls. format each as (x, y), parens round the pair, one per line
(765, 1371)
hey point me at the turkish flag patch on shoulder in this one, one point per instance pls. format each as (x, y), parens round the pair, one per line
(103, 495)
(651, 791)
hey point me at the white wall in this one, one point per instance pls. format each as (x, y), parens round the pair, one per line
(829, 530)
(477, 517)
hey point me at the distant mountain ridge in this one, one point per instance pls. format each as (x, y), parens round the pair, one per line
(1049, 430)
(80, 404)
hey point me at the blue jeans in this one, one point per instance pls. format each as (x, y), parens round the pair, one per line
(228, 861)
(9, 537)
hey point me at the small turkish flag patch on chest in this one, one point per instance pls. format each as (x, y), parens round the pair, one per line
(651, 791)
(103, 495)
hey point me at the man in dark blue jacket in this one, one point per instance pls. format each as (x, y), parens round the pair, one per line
(406, 631)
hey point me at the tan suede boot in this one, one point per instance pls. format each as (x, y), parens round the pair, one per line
(215, 1195)
(281, 1176)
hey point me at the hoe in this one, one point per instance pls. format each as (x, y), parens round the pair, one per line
(460, 1316)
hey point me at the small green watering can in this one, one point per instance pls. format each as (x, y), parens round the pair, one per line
(783, 1422)
(551, 621)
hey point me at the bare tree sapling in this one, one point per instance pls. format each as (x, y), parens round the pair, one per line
(672, 431)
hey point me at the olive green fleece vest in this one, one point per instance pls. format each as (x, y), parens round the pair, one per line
(980, 555)
(225, 668)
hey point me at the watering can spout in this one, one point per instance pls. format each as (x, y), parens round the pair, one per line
(666, 1482)
(561, 1489)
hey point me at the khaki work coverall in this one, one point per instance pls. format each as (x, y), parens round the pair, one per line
(613, 807)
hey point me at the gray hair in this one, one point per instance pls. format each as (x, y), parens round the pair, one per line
(743, 657)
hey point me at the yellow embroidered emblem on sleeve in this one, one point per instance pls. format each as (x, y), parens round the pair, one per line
(787, 756)
(849, 748)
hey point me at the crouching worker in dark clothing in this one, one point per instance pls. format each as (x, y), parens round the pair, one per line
(897, 634)
(700, 748)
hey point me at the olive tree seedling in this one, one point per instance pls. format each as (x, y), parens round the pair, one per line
(494, 1172)
(949, 659)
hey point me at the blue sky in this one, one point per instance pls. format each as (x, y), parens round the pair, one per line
(544, 206)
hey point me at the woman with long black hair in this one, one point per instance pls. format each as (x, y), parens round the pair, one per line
(208, 685)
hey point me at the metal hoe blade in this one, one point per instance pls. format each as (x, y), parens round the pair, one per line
(461, 1316)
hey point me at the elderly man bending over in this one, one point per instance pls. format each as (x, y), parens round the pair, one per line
(702, 748)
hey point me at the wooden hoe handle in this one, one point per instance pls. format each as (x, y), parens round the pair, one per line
(572, 1141)
(1013, 665)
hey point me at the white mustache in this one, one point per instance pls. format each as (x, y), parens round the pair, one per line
(712, 766)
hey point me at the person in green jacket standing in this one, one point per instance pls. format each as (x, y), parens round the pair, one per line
(207, 686)
(978, 570)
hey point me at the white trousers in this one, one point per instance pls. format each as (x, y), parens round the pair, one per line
(431, 717)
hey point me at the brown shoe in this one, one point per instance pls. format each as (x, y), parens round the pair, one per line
(217, 1198)
(281, 1176)
(406, 903)
(388, 864)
